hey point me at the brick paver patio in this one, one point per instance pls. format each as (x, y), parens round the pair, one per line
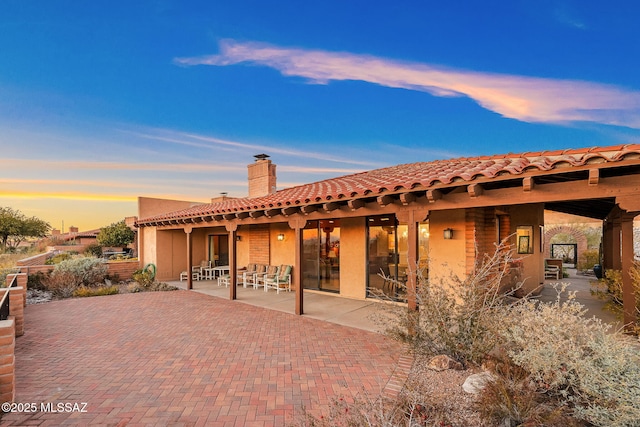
(186, 359)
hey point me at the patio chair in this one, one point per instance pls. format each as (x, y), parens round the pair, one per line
(197, 271)
(281, 282)
(225, 280)
(272, 272)
(243, 272)
(252, 279)
(552, 271)
(195, 275)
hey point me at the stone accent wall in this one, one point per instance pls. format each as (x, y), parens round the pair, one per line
(259, 244)
(7, 360)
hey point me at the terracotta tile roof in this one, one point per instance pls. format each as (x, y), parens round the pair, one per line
(409, 176)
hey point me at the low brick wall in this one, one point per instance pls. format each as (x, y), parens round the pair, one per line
(123, 269)
(21, 279)
(33, 269)
(34, 260)
(17, 298)
(7, 360)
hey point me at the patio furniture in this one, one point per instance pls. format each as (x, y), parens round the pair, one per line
(220, 270)
(252, 279)
(225, 280)
(195, 275)
(272, 271)
(199, 269)
(282, 281)
(553, 269)
(242, 274)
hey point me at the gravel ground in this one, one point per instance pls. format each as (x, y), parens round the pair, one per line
(442, 391)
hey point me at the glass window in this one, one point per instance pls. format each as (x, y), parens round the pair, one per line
(387, 256)
(321, 252)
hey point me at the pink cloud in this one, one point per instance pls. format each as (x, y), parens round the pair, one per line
(529, 99)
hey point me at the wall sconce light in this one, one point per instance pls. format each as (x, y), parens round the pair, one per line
(280, 237)
(448, 233)
(238, 238)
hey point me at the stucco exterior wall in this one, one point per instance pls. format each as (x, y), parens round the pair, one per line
(149, 206)
(242, 247)
(353, 253)
(147, 245)
(281, 252)
(172, 257)
(533, 264)
(446, 257)
(199, 245)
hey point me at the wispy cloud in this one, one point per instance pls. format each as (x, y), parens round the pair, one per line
(203, 141)
(529, 99)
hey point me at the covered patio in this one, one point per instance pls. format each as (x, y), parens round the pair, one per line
(357, 313)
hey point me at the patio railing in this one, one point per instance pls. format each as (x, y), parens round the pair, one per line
(4, 305)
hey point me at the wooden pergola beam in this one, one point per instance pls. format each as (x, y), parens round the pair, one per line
(308, 209)
(475, 190)
(528, 183)
(433, 195)
(355, 204)
(290, 210)
(384, 200)
(330, 206)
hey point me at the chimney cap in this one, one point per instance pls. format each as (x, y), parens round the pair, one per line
(261, 156)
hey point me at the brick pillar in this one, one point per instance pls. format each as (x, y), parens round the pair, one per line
(7, 360)
(16, 309)
(22, 279)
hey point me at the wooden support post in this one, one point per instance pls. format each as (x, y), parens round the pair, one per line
(298, 225)
(233, 267)
(188, 231)
(412, 262)
(628, 295)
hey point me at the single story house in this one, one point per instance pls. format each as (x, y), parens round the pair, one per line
(433, 218)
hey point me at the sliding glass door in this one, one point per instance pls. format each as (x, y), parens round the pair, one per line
(321, 255)
(388, 266)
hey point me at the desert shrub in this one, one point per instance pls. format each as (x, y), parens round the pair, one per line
(85, 291)
(154, 286)
(94, 249)
(512, 398)
(575, 361)
(609, 289)
(57, 259)
(67, 276)
(588, 259)
(145, 278)
(37, 281)
(457, 318)
(378, 411)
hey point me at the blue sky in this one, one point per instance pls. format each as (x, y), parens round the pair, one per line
(104, 101)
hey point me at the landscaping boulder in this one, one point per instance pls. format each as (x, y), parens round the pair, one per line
(476, 382)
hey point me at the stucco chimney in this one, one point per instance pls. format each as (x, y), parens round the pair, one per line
(262, 176)
(73, 229)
